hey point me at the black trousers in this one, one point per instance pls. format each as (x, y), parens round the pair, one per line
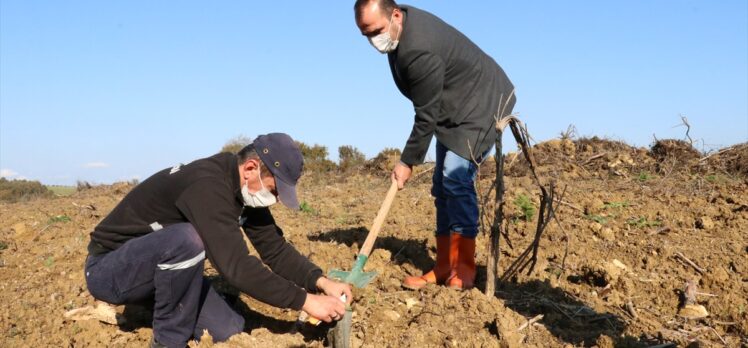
(167, 267)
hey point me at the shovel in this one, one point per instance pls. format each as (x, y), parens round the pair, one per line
(357, 277)
(339, 336)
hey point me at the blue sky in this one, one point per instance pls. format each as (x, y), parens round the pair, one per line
(106, 91)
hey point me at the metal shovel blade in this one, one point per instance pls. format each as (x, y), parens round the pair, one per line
(356, 277)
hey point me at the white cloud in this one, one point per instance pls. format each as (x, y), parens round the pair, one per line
(96, 165)
(7, 173)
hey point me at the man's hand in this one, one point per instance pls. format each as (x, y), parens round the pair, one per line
(324, 307)
(401, 174)
(335, 289)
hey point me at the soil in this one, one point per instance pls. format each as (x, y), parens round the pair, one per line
(611, 269)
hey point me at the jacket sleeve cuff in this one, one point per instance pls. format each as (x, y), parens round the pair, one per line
(311, 280)
(410, 159)
(299, 299)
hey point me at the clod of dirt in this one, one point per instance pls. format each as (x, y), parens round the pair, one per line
(507, 333)
(693, 311)
(621, 160)
(619, 264)
(593, 206)
(607, 234)
(556, 146)
(704, 223)
(206, 340)
(603, 273)
(102, 312)
(23, 233)
(716, 279)
(261, 337)
(410, 302)
(19, 229)
(605, 341)
(391, 315)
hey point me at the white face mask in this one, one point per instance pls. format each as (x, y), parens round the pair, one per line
(260, 199)
(383, 42)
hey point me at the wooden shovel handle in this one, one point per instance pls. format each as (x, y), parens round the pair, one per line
(379, 220)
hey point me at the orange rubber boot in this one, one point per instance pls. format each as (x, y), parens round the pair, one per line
(441, 271)
(463, 273)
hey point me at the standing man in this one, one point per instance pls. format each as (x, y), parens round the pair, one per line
(457, 91)
(154, 243)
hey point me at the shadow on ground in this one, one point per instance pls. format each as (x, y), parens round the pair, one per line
(255, 320)
(564, 315)
(413, 251)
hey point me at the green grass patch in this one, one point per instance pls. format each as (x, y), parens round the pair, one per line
(644, 176)
(68, 306)
(62, 191)
(76, 329)
(555, 271)
(717, 178)
(616, 205)
(49, 262)
(642, 222)
(58, 218)
(597, 218)
(3, 246)
(525, 206)
(14, 331)
(306, 208)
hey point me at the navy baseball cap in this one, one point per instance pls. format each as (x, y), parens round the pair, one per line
(280, 154)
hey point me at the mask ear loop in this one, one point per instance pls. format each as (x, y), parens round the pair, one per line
(399, 30)
(259, 175)
(390, 25)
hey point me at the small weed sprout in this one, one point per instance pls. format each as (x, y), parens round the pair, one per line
(59, 218)
(525, 206)
(616, 205)
(597, 218)
(70, 305)
(49, 262)
(642, 222)
(306, 208)
(644, 176)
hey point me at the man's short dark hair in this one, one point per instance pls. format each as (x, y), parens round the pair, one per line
(387, 5)
(249, 152)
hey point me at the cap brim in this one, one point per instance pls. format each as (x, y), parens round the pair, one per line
(287, 194)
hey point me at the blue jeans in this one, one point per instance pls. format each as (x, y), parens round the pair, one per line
(166, 266)
(454, 193)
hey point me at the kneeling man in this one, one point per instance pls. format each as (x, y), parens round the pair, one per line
(154, 243)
